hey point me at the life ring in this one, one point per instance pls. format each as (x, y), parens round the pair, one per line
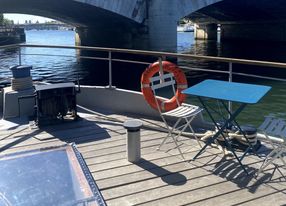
(180, 80)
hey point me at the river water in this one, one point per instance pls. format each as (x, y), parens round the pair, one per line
(60, 65)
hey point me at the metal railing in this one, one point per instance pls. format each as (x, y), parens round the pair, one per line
(163, 55)
(159, 56)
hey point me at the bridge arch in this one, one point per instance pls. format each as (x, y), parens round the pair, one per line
(79, 12)
(253, 20)
(187, 7)
(137, 24)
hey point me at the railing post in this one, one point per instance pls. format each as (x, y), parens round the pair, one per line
(110, 69)
(230, 71)
(230, 80)
(161, 72)
(20, 57)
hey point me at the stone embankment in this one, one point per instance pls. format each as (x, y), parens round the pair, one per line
(11, 35)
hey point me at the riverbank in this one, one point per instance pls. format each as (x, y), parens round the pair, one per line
(11, 35)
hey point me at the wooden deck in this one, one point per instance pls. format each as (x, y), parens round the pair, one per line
(161, 178)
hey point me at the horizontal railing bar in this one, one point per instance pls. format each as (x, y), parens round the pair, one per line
(88, 57)
(169, 54)
(10, 46)
(53, 55)
(259, 76)
(131, 61)
(152, 53)
(235, 73)
(50, 55)
(204, 70)
(95, 58)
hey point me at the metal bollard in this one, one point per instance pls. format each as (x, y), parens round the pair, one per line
(133, 139)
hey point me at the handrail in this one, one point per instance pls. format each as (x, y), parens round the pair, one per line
(9, 46)
(160, 54)
(157, 54)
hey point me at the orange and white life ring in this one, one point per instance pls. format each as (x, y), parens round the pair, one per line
(180, 80)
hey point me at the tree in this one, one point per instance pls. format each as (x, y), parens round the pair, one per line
(1, 19)
(8, 22)
(4, 22)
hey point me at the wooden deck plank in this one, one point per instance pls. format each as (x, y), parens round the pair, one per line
(89, 138)
(79, 135)
(151, 154)
(110, 156)
(158, 189)
(161, 178)
(199, 187)
(219, 193)
(149, 160)
(137, 173)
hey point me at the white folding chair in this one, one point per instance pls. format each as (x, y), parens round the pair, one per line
(274, 128)
(183, 113)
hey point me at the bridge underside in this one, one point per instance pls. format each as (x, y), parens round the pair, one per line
(68, 11)
(244, 19)
(95, 26)
(98, 26)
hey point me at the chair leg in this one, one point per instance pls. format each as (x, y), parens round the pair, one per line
(175, 137)
(198, 141)
(164, 140)
(178, 147)
(282, 159)
(170, 134)
(170, 131)
(179, 134)
(188, 122)
(269, 159)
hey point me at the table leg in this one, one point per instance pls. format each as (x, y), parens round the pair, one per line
(220, 131)
(239, 128)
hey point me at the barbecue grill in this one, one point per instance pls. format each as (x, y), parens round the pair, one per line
(55, 102)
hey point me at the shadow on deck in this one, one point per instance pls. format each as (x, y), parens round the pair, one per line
(160, 178)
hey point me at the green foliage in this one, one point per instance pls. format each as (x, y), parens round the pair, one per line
(4, 21)
(1, 19)
(8, 22)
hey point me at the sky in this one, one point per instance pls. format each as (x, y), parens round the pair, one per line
(22, 17)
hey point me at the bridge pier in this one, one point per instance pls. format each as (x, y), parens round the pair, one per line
(205, 31)
(103, 36)
(162, 25)
(158, 32)
(264, 31)
(156, 37)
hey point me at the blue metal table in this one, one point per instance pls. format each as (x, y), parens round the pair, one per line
(227, 91)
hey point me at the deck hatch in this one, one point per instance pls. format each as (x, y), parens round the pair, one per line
(49, 176)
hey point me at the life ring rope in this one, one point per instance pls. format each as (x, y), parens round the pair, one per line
(180, 79)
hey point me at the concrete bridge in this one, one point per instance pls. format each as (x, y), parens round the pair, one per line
(151, 24)
(140, 24)
(260, 20)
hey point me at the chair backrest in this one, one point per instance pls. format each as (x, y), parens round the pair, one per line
(274, 126)
(162, 81)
